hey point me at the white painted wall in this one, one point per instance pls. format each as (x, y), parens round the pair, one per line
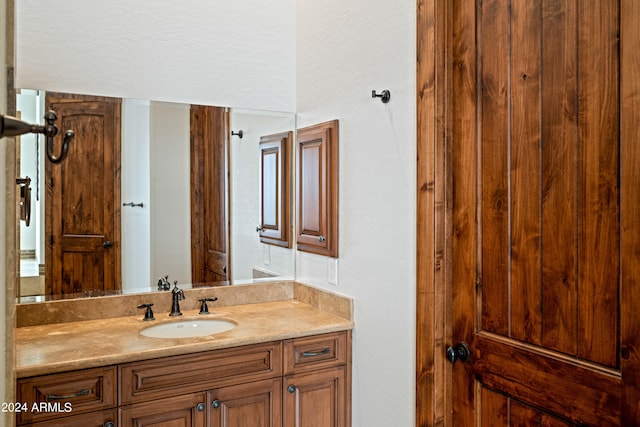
(345, 50)
(237, 53)
(136, 188)
(247, 252)
(170, 193)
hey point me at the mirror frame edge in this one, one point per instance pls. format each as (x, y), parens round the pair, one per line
(11, 216)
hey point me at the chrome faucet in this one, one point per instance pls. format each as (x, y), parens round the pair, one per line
(176, 294)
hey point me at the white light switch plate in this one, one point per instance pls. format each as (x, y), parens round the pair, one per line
(332, 271)
(266, 254)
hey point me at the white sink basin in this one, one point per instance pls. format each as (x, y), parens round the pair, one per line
(188, 328)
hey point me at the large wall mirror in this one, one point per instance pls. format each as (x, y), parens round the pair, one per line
(152, 205)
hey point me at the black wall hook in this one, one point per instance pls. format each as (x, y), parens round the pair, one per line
(50, 130)
(385, 95)
(239, 133)
(10, 126)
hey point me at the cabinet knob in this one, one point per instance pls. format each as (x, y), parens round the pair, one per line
(109, 424)
(321, 239)
(291, 389)
(201, 407)
(215, 404)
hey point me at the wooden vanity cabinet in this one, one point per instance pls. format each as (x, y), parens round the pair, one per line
(302, 381)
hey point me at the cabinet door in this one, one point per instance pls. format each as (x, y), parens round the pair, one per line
(179, 411)
(317, 399)
(317, 230)
(275, 189)
(257, 404)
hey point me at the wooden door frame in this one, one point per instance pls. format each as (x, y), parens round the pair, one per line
(433, 216)
(434, 211)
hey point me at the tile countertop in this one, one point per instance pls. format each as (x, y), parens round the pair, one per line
(60, 347)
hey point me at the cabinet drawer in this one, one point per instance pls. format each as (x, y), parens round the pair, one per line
(321, 351)
(107, 418)
(170, 376)
(67, 393)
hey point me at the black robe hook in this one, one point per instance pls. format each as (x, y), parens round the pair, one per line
(51, 130)
(384, 96)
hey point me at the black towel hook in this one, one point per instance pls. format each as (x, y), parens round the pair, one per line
(385, 95)
(50, 130)
(239, 133)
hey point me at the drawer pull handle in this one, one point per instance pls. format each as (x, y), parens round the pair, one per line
(215, 404)
(316, 353)
(68, 396)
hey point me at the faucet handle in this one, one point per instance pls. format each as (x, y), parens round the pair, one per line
(164, 284)
(203, 308)
(148, 315)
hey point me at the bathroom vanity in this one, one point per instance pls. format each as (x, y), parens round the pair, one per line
(287, 362)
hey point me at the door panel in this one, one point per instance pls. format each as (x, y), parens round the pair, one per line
(500, 410)
(83, 198)
(538, 218)
(209, 194)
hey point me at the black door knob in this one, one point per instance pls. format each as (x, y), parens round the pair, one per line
(460, 351)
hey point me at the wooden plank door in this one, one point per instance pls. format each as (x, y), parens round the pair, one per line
(82, 207)
(545, 227)
(209, 195)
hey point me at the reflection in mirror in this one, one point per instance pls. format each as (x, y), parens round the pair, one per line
(155, 199)
(249, 257)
